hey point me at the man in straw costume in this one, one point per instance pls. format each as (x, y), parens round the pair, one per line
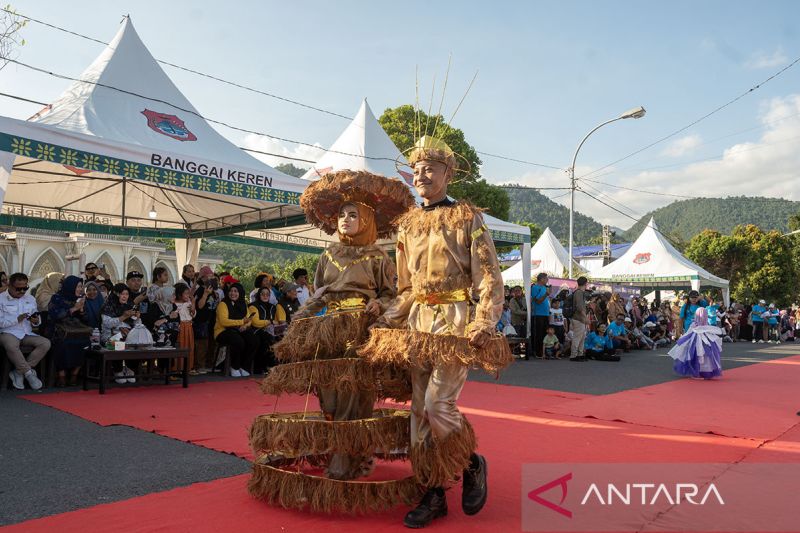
(353, 285)
(450, 298)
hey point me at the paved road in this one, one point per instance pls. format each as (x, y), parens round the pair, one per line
(53, 462)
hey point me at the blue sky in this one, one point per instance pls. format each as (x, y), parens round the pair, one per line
(548, 72)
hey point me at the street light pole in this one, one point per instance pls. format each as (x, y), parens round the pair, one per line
(637, 112)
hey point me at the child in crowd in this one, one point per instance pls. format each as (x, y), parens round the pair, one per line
(552, 348)
(557, 319)
(184, 305)
(698, 352)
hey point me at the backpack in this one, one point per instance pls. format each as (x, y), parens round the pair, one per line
(568, 307)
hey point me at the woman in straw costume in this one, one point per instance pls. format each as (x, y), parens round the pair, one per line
(450, 297)
(353, 285)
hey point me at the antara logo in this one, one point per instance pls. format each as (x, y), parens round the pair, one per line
(560, 482)
(641, 259)
(168, 125)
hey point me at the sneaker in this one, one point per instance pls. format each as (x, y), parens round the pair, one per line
(33, 381)
(754, 341)
(244, 373)
(120, 378)
(16, 379)
(203, 371)
(236, 373)
(770, 341)
(777, 342)
(761, 342)
(128, 374)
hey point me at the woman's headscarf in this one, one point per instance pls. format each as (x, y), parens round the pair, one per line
(236, 310)
(367, 229)
(47, 289)
(163, 297)
(265, 309)
(92, 306)
(68, 288)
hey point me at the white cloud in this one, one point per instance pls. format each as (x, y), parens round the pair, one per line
(273, 146)
(682, 146)
(762, 59)
(768, 166)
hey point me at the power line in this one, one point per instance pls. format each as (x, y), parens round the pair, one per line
(637, 190)
(528, 187)
(695, 122)
(244, 87)
(612, 199)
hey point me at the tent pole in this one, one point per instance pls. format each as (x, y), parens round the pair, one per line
(123, 201)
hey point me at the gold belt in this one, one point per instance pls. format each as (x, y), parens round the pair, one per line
(348, 304)
(449, 297)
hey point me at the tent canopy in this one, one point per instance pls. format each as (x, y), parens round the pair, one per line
(652, 261)
(364, 145)
(123, 151)
(548, 255)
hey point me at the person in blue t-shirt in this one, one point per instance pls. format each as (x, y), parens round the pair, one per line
(598, 346)
(540, 298)
(712, 313)
(773, 335)
(618, 335)
(757, 317)
(693, 303)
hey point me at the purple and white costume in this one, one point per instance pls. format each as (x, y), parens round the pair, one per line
(698, 353)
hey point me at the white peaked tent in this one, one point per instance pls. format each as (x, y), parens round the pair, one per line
(123, 151)
(653, 262)
(548, 255)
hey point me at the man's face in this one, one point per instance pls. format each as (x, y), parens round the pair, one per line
(544, 280)
(620, 319)
(302, 281)
(91, 271)
(430, 180)
(18, 288)
(135, 284)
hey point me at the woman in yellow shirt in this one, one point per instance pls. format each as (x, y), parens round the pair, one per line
(233, 329)
(269, 322)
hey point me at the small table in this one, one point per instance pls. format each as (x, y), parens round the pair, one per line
(103, 356)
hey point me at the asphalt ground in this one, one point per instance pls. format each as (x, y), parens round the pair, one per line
(53, 462)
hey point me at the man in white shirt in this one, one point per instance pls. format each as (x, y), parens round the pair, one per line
(17, 316)
(300, 276)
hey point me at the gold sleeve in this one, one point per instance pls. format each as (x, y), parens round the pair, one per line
(487, 284)
(396, 315)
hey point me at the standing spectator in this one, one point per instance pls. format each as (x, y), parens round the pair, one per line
(300, 276)
(233, 330)
(188, 277)
(17, 316)
(184, 305)
(91, 272)
(772, 324)
(712, 311)
(689, 309)
(289, 301)
(578, 321)
(636, 312)
(3, 282)
(677, 322)
(757, 317)
(618, 334)
(541, 312)
(69, 330)
(93, 305)
(519, 311)
(557, 319)
(160, 280)
(616, 306)
(206, 301)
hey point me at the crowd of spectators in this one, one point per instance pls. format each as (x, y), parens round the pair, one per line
(67, 315)
(588, 324)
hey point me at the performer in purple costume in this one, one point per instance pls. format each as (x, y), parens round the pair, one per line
(697, 353)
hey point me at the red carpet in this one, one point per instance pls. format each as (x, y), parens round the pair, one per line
(756, 402)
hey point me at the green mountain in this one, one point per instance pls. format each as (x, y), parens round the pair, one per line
(528, 205)
(687, 218)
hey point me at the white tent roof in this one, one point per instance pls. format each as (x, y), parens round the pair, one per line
(374, 152)
(126, 131)
(547, 255)
(652, 261)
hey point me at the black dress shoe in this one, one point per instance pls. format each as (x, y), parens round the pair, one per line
(474, 487)
(432, 506)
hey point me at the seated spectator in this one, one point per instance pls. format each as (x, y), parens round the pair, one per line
(599, 347)
(289, 301)
(658, 332)
(69, 330)
(504, 324)
(17, 316)
(162, 316)
(519, 311)
(551, 345)
(117, 318)
(138, 294)
(45, 291)
(642, 340)
(300, 276)
(269, 323)
(618, 335)
(233, 329)
(93, 305)
(3, 282)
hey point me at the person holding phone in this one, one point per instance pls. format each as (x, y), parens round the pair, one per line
(18, 316)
